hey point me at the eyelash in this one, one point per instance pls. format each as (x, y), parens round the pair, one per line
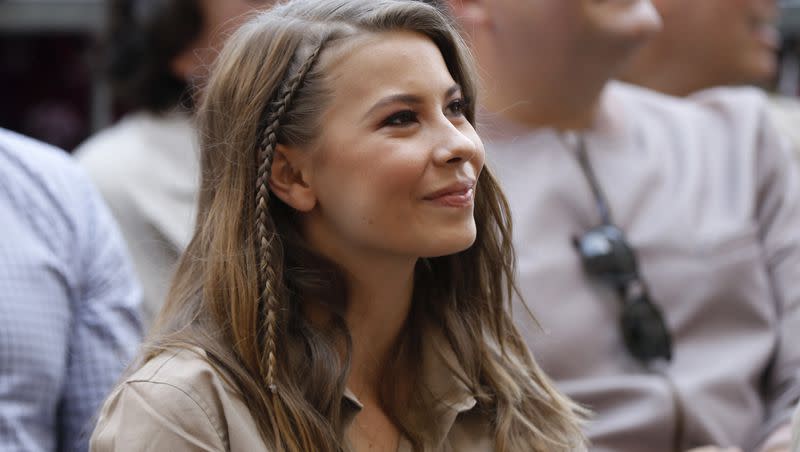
(400, 119)
(457, 108)
(461, 104)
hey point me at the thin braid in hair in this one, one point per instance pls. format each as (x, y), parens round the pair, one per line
(265, 228)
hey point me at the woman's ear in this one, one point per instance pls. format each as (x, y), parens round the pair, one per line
(288, 178)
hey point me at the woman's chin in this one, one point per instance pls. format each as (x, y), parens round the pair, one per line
(450, 244)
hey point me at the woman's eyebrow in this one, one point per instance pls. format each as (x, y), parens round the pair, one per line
(410, 99)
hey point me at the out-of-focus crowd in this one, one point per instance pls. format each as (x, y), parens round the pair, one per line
(650, 174)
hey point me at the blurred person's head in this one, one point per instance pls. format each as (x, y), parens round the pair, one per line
(544, 60)
(330, 133)
(158, 50)
(707, 43)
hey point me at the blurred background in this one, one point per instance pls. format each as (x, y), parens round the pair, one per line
(52, 87)
(788, 80)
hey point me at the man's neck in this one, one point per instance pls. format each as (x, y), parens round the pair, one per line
(548, 109)
(565, 100)
(664, 79)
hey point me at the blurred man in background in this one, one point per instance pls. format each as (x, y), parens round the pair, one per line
(146, 166)
(69, 302)
(711, 43)
(657, 238)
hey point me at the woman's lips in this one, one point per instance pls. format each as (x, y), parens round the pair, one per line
(458, 195)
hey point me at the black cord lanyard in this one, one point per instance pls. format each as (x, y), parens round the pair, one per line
(588, 172)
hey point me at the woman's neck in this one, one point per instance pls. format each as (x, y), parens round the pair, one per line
(378, 305)
(379, 286)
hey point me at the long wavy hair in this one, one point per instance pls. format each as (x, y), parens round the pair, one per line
(247, 277)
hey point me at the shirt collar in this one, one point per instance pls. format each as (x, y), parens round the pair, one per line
(442, 383)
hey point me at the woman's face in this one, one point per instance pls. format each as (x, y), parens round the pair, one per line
(395, 168)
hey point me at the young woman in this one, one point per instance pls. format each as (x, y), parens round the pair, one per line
(347, 284)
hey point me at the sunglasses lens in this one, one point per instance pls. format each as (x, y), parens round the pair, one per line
(606, 254)
(644, 330)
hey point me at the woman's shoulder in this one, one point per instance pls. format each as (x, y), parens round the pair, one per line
(177, 396)
(185, 367)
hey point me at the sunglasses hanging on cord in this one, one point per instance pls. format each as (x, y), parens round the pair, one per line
(608, 256)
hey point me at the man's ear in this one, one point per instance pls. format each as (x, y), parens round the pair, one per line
(470, 13)
(288, 178)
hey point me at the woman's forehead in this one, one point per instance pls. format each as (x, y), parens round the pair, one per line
(386, 58)
(391, 64)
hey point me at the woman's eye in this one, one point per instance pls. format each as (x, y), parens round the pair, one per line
(401, 118)
(457, 107)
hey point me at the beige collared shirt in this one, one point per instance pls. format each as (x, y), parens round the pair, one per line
(179, 402)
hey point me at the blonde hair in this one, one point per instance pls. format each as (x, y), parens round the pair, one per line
(241, 285)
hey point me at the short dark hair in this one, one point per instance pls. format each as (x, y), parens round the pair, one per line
(144, 36)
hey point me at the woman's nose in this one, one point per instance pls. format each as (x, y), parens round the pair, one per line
(456, 146)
